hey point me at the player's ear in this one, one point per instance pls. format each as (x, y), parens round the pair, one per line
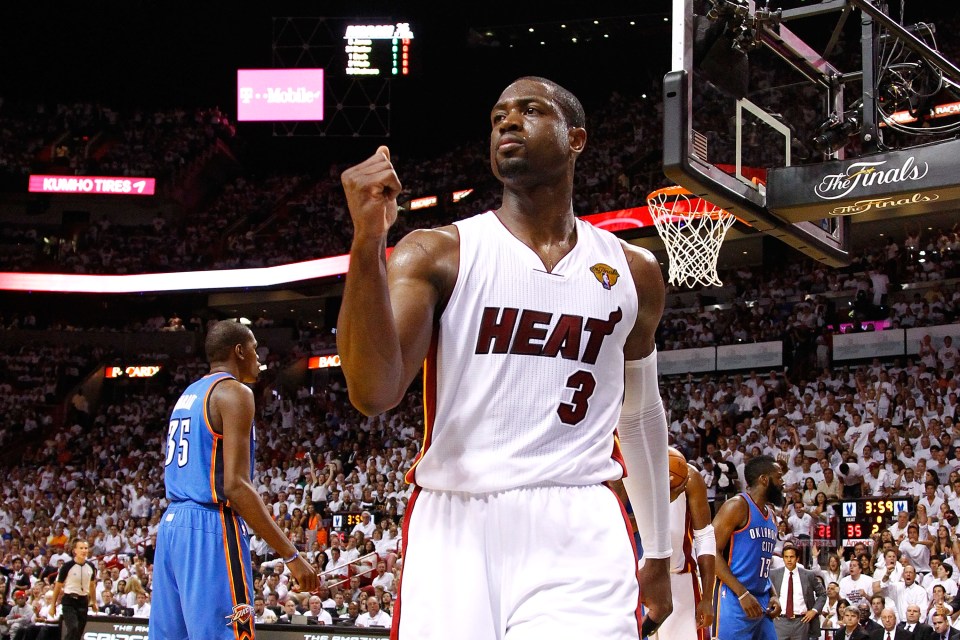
(577, 138)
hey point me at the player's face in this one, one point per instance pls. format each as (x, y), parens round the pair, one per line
(775, 486)
(529, 136)
(251, 361)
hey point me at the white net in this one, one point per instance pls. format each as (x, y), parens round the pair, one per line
(692, 230)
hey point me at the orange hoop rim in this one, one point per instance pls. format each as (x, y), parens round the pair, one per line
(716, 213)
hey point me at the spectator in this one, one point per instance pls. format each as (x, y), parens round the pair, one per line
(374, 617)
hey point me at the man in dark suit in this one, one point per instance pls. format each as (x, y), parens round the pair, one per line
(868, 625)
(920, 630)
(942, 629)
(889, 629)
(851, 629)
(802, 597)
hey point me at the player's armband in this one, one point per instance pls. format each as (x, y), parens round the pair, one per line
(704, 541)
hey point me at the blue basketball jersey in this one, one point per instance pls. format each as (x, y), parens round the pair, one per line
(193, 469)
(751, 549)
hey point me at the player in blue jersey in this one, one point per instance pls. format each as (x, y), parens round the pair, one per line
(202, 575)
(745, 601)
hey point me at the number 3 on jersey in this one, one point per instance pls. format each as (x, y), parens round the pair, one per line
(584, 384)
(177, 442)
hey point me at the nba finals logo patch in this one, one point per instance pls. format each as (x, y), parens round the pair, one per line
(605, 275)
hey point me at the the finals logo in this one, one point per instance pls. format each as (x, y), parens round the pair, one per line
(606, 275)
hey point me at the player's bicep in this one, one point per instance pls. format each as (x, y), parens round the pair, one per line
(234, 404)
(651, 294)
(420, 275)
(729, 518)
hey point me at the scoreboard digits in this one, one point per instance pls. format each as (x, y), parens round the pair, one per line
(863, 518)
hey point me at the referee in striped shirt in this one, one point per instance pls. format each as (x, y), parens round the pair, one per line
(76, 581)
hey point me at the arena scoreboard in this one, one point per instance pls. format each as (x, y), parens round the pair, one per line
(862, 518)
(344, 521)
(378, 50)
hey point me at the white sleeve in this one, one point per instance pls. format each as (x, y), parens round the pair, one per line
(643, 441)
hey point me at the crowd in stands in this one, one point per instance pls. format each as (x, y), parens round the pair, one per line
(880, 429)
(887, 428)
(33, 378)
(93, 139)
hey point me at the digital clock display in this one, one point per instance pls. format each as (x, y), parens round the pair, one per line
(343, 521)
(861, 519)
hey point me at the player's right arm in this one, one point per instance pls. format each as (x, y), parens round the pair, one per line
(733, 515)
(231, 408)
(389, 309)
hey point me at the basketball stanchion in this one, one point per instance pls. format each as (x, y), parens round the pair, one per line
(692, 230)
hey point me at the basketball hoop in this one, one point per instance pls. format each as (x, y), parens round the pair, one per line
(692, 230)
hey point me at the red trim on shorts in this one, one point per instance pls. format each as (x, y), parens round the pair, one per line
(429, 406)
(636, 559)
(395, 627)
(689, 562)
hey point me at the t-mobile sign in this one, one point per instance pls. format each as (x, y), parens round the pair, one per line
(92, 184)
(279, 94)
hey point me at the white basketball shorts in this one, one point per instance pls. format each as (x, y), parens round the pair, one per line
(523, 564)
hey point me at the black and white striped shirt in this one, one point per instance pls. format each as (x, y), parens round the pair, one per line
(76, 578)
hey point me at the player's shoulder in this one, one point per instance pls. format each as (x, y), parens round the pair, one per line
(232, 389)
(638, 255)
(644, 267)
(736, 510)
(429, 255)
(695, 481)
(426, 248)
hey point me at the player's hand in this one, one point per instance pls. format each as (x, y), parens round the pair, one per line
(750, 606)
(52, 610)
(372, 188)
(655, 589)
(704, 613)
(305, 574)
(773, 608)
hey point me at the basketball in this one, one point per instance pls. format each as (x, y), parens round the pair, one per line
(678, 469)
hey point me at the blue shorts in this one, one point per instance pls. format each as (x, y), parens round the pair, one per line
(202, 575)
(731, 623)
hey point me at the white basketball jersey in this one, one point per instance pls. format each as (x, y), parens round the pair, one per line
(681, 536)
(524, 381)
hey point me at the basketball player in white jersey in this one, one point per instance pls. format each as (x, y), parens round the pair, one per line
(536, 334)
(694, 547)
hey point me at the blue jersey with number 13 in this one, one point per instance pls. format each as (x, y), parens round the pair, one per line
(751, 549)
(193, 468)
